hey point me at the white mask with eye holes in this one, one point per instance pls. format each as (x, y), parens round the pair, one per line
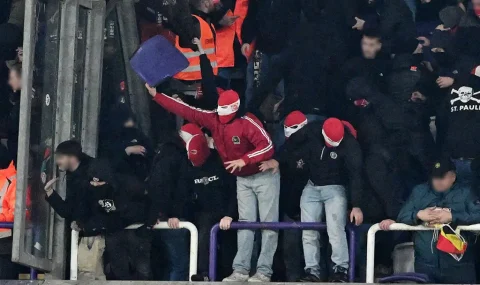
(293, 129)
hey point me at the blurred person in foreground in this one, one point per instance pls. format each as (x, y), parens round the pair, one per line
(438, 202)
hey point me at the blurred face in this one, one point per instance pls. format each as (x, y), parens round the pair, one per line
(370, 47)
(208, 5)
(14, 80)
(64, 162)
(476, 7)
(444, 183)
(129, 124)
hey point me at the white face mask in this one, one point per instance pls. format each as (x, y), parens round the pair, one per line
(293, 129)
(329, 141)
(228, 109)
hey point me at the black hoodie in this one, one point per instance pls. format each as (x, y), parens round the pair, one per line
(112, 206)
(214, 189)
(168, 184)
(122, 137)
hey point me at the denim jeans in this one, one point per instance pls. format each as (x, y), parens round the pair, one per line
(175, 243)
(257, 74)
(257, 193)
(314, 200)
(464, 172)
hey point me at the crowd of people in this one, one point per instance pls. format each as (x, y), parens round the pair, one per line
(336, 111)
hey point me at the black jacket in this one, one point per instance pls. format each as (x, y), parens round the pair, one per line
(458, 121)
(214, 189)
(341, 165)
(115, 205)
(168, 184)
(396, 25)
(77, 182)
(130, 164)
(271, 23)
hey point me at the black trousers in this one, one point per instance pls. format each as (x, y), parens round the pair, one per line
(129, 254)
(227, 244)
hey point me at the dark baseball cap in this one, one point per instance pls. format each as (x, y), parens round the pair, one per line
(441, 167)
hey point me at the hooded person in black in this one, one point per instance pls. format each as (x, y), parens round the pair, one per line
(214, 192)
(168, 192)
(129, 150)
(116, 201)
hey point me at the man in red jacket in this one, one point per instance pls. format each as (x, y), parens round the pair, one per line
(242, 143)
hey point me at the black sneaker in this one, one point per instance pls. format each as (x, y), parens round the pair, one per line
(309, 277)
(340, 275)
(200, 278)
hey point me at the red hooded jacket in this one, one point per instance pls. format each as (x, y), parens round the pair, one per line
(243, 137)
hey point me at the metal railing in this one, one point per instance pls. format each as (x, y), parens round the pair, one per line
(276, 226)
(160, 226)
(396, 227)
(6, 225)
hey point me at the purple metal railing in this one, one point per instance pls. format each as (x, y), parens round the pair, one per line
(276, 226)
(33, 272)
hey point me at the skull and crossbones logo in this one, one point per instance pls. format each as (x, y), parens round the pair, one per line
(465, 94)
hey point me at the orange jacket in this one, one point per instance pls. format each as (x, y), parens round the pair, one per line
(226, 35)
(207, 38)
(8, 186)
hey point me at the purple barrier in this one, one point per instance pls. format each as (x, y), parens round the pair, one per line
(275, 226)
(33, 272)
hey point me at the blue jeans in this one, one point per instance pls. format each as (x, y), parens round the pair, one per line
(464, 172)
(314, 200)
(177, 250)
(257, 193)
(257, 74)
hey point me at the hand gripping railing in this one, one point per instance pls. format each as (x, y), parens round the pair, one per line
(160, 226)
(6, 225)
(212, 274)
(396, 227)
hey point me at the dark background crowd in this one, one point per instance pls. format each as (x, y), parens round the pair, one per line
(336, 111)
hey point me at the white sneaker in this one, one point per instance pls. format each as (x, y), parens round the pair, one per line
(259, 277)
(236, 277)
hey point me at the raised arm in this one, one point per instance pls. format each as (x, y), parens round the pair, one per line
(201, 117)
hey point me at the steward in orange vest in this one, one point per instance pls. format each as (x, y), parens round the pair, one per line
(226, 35)
(207, 37)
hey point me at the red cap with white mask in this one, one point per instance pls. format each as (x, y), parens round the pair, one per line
(228, 105)
(197, 150)
(333, 131)
(294, 122)
(187, 131)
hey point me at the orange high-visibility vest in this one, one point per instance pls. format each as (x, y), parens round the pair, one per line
(193, 72)
(226, 35)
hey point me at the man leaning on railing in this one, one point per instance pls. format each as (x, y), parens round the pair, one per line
(443, 254)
